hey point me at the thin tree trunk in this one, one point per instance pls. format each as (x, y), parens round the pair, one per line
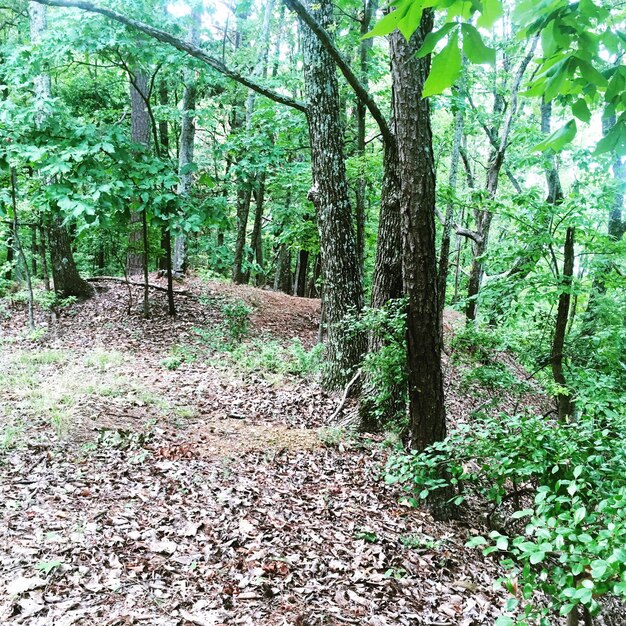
(369, 7)
(343, 287)
(20, 249)
(444, 252)
(43, 250)
(256, 252)
(483, 216)
(283, 278)
(33, 249)
(241, 277)
(302, 266)
(187, 138)
(10, 253)
(564, 398)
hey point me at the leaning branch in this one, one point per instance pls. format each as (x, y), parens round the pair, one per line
(362, 93)
(179, 44)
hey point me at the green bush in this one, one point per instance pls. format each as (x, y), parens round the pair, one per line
(237, 320)
(385, 369)
(557, 494)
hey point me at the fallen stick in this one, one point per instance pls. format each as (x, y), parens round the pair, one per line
(345, 396)
(123, 281)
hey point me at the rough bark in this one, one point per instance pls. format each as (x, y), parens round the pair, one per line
(256, 238)
(343, 288)
(564, 398)
(417, 175)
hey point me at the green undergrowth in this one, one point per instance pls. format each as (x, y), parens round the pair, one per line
(554, 495)
(230, 346)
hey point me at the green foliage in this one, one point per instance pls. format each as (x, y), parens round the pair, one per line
(237, 320)
(496, 376)
(557, 493)
(385, 369)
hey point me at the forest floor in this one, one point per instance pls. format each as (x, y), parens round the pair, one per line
(150, 476)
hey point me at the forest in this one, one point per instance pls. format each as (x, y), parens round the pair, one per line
(312, 313)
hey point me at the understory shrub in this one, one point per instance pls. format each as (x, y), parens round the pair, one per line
(555, 495)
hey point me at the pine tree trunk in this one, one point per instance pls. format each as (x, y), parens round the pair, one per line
(417, 174)
(343, 287)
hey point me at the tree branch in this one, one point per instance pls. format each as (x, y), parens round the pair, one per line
(361, 92)
(179, 44)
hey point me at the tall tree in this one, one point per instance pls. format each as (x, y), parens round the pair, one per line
(67, 280)
(419, 261)
(343, 287)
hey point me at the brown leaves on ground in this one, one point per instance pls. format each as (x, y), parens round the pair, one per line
(135, 494)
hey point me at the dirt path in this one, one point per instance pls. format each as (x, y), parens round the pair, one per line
(144, 482)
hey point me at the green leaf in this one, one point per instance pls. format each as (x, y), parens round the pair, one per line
(433, 38)
(580, 514)
(559, 138)
(491, 12)
(537, 557)
(445, 69)
(474, 47)
(389, 23)
(504, 620)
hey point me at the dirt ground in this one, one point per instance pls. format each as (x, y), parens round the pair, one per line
(139, 486)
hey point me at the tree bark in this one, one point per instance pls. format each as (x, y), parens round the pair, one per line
(302, 266)
(343, 287)
(417, 174)
(564, 399)
(140, 133)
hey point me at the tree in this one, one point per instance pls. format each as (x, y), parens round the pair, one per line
(67, 280)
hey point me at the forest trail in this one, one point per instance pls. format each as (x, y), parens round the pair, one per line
(148, 476)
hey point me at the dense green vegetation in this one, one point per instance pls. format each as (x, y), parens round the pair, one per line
(459, 154)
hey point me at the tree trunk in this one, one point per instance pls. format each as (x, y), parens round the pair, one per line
(187, 138)
(343, 287)
(43, 250)
(67, 280)
(564, 399)
(256, 239)
(10, 253)
(483, 216)
(283, 278)
(302, 266)
(20, 249)
(312, 289)
(444, 251)
(417, 175)
(140, 133)
(243, 209)
(369, 7)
